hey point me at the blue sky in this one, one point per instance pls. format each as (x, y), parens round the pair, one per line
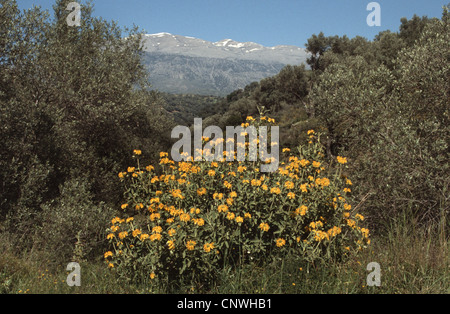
(268, 22)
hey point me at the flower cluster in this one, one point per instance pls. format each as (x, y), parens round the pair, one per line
(195, 216)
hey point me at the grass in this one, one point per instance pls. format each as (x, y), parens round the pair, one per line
(411, 261)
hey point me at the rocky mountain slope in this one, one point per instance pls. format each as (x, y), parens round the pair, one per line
(179, 64)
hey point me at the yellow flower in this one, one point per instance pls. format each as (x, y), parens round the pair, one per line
(304, 162)
(152, 276)
(169, 220)
(351, 223)
(239, 219)
(163, 154)
(207, 247)
(121, 175)
(185, 217)
(137, 152)
(348, 182)
(164, 161)
(247, 215)
(157, 229)
(232, 173)
(250, 118)
(110, 236)
(123, 234)
(177, 193)
(110, 265)
(280, 242)
(323, 181)
(303, 187)
(129, 219)
(301, 210)
(341, 160)
(139, 206)
(365, 232)
(320, 235)
(190, 245)
(123, 206)
(199, 221)
(275, 190)
(359, 217)
(227, 184)
(316, 164)
(222, 208)
(347, 206)
(291, 195)
(171, 244)
(334, 231)
(154, 200)
(149, 168)
(131, 169)
(171, 232)
(107, 254)
(230, 215)
(155, 236)
(255, 182)
(154, 216)
(310, 132)
(264, 226)
(289, 185)
(217, 196)
(144, 236)
(136, 232)
(347, 190)
(286, 150)
(201, 191)
(211, 173)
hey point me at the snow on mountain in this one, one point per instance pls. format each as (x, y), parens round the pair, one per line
(227, 49)
(183, 64)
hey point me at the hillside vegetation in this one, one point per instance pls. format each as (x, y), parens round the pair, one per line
(369, 124)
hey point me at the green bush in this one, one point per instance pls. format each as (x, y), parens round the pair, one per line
(394, 125)
(72, 225)
(198, 217)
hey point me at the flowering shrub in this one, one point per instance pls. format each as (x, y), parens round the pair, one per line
(197, 217)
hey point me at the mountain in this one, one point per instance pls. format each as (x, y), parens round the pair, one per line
(181, 64)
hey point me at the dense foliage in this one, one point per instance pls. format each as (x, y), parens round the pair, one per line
(391, 116)
(382, 103)
(198, 217)
(73, 103)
